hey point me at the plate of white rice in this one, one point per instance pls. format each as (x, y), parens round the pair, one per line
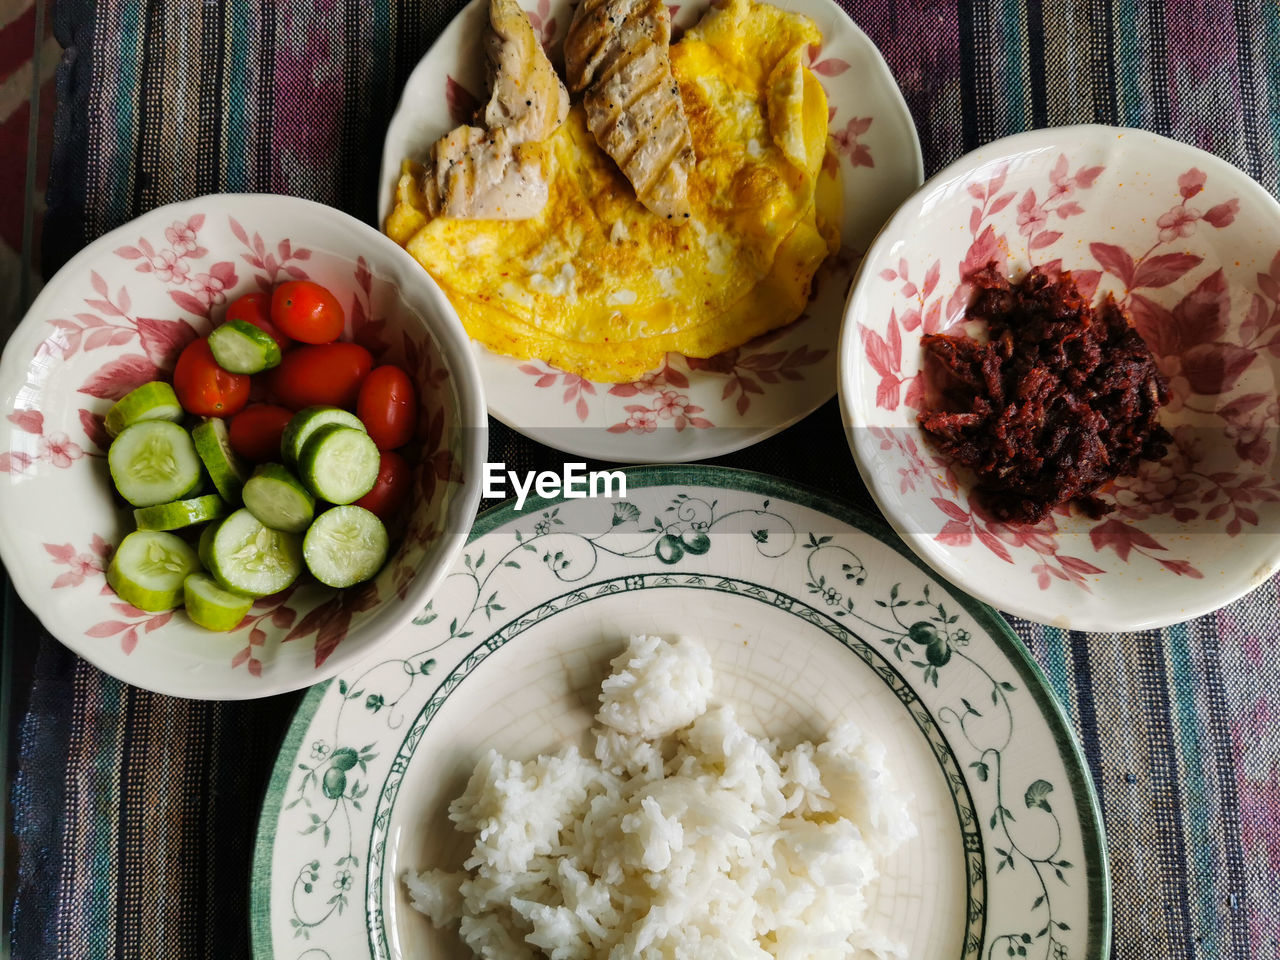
(717, 717)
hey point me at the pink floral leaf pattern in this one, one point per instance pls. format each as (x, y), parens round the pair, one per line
(163, 340)
(189, 303)
(462, 103)
(1214, 368)
(847, 143)
(1222, 214)
(117, 377)
(14, 461)
(1183, 568)
(992, 543)
(94, 428)
(108, 628)
(30, 421)
(1085, 176)
(367, 330)
(831, 67)
(1165, 269)
(1155, 324)
(885, 357)
(1115, 260)
(1204, 314)
(1121, 537)
(1079, 566)
(982, 251)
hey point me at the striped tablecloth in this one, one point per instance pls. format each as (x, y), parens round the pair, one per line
(134, 813)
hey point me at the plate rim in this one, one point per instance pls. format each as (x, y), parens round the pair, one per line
(732, 438)
(472, 415)
(1007, 148)
(1093, 830)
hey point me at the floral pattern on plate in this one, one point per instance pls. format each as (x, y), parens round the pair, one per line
(688, 409)
(1200, 284)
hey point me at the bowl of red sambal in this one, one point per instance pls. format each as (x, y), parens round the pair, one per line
(1058, 371)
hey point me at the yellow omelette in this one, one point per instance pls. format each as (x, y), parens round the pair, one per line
(599, 286)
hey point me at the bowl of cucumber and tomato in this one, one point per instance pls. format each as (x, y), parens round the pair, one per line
(263, 468)
(330, 430)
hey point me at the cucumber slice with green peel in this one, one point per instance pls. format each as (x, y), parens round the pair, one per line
(154, 461)
(151, 401)
(345, 546)
(246, 556)
(210, 606)
(277, 498)
(148, 569)
(240, 347)
(226, 469)
(181, 513)
(339, 464)
(306, 422)
(205, 543)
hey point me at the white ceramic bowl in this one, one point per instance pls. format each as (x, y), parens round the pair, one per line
(116, 316)
(1191, 246)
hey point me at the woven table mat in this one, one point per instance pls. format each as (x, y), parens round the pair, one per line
(135, 812)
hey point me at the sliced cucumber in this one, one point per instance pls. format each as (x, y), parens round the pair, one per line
(227, 470)
(148, 569)
(210, 606)
(339, 464)
(240, 347)
(154, 461)
(246, 556)
(345, 546)
(278, 499)
(181, 513)
(151, 401)
(306, 422)
(205, 543)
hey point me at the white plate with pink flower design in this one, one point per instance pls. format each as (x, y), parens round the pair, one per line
(687, 409)
(117, 316)
(1190, 246)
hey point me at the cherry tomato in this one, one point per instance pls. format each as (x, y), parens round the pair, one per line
(391, 489)
(388, 407)
(203, 387)
(256, 309)
(256, 431)
(307, 311)
(329, 373)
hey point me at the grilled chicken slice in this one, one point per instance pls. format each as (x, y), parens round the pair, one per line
(527, 98)
(501, 173)
(618, 52)
(482, 175)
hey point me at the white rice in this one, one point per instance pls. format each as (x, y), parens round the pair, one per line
(684, 837)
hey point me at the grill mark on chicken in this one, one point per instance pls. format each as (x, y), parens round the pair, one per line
(618, 52)
(500, 174)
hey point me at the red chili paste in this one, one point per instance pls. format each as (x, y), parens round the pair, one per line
(1060, 400)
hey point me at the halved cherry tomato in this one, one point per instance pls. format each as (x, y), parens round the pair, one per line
(256, 309)
(329, 373)
(256, 431)
(203, 387)
(307, 311)
(388, 407)
(391, 489)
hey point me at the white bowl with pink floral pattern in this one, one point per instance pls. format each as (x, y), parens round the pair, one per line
(117, 316)
(1190, 246)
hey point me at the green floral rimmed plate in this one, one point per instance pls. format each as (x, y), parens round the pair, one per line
(813, 612)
